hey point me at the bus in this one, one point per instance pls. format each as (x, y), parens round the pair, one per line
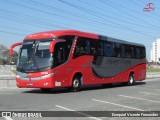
(71, 58)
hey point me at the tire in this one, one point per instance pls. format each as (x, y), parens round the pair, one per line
(46, 89)
(76, 84)
(131, 80)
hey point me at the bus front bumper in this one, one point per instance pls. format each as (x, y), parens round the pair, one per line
(38, 82)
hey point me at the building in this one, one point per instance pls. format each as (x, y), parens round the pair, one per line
(155, 51)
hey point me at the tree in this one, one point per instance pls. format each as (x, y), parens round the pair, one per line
(5, 57)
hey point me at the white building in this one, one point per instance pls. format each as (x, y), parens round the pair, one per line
(155, 51)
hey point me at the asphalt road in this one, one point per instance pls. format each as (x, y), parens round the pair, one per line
(143, 96)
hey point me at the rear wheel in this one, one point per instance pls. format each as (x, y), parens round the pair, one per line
(76, 84)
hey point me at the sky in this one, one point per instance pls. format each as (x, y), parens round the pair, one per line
(121, 19)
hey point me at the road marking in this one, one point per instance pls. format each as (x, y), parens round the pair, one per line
(157, 89)
(139, 98)
(118, 105)
(145, 87)
(8, 118)
(150, 80)
(6, 93)
(149, 93)
(95, 118)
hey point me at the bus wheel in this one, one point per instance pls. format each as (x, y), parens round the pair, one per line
(46, 89)
(76, 84)
(131, 79)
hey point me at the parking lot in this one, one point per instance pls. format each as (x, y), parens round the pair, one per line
(143, 96)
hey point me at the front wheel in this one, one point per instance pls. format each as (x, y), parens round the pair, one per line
(76, 84)
(131, 79)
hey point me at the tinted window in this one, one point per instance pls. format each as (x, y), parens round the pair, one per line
(69, 41)
(60, 55)
(128, 49)
(108, 48)
(99, 48)
(85, 46)
(139, 52)
(118, 50)
(93, 46)
(62, 50)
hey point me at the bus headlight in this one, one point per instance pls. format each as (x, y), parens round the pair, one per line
(43, 77)
(17, 76)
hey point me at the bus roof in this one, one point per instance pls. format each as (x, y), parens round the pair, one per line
(56, 33)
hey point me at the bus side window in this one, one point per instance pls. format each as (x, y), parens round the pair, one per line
(85, 46)
(143, 52)
(93, 46)
(118, 50)
(81, 47)
(140, 53)
(99, 48)
(59, 54)
(108, 49)
(68, 44)
(128, 51)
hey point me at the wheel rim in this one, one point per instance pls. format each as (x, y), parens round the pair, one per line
(75, 83)
(131, 80)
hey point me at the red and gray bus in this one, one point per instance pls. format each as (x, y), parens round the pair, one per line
(70, 58)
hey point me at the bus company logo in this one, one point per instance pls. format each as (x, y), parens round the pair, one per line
(149, 7)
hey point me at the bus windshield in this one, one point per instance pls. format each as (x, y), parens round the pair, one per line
(35, 56)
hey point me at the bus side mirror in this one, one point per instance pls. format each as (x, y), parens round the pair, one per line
(51, 47)
(12, 46)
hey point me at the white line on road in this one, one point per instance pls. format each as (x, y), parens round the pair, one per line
(64, 108)
(145, 87)
(149, 93)
(95, 118)
(139, 98)
(157, 89)
(118, 104)
(8, 118)
(150, 80)
(6, 93)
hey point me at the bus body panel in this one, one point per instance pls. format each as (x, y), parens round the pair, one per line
(88, 77)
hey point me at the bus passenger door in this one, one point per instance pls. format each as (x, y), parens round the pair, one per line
(59, 59)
